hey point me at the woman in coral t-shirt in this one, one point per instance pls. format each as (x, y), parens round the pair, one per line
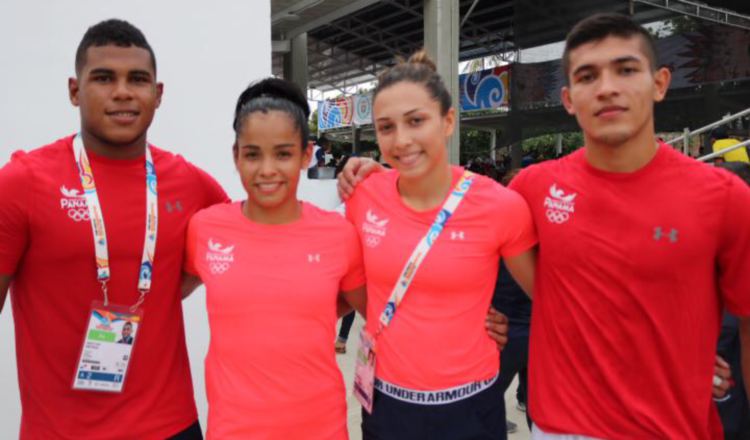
(436, 369)
(276, 271)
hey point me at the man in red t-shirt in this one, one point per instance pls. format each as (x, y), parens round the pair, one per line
(640, 247)
(48, 256)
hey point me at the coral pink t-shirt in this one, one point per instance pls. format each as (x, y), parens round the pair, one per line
(271, 295)
(437, 338)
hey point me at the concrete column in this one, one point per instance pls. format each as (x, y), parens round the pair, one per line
(493, 145)
(356, 138)
(295, 61)
(515, 130)
(441, 34)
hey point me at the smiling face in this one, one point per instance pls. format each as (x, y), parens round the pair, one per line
(612, 90)
(117, 93)
(411, 130)
(269, 158)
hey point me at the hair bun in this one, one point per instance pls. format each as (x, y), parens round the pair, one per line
(274, 88)
(421, 57)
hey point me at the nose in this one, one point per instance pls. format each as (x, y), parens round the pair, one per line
(608, 84)
(122, 90)
(267, 167)
(402, 137)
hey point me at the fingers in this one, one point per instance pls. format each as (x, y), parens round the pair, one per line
(354, 172)
(722, 379)
(347, 178)
(721, 362)
(367, 167)
(497, 327)
(720, 388)
(499, 339)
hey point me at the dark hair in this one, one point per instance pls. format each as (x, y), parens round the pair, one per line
(600, 26)
(273, 94)
(128, 323)
(418, 69)
(115, 32)
(741, 169)
(719, 133)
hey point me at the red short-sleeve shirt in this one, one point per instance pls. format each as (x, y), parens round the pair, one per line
(48, 249)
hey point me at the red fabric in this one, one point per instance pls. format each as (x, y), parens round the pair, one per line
(271, 294)
(626, 311)
(438, 338)
(51, 257)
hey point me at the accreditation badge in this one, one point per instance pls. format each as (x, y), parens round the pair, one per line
(364, 372)
(107, 347)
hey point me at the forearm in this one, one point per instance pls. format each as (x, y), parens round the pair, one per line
(189, 284)
(745, 343)
(522, 268)
(356, 299)
(4, 284)
(342, 307)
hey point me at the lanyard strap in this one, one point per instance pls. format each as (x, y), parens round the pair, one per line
(97, 222)
(423, 247)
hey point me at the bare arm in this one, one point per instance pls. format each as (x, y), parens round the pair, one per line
(355, 171)
(745, 344)
(4, 284)
(356, 299)
(189, 284)
(522, 268)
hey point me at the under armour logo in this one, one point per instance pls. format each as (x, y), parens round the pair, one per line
(659, 233)
(170, 207)
(313, 258)
(457, 235)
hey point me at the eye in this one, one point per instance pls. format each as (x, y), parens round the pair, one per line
(284, 154)
(628, 70)
(101, 78)
(384, 128)
(251, 155)
(416, 121)
(585, 78)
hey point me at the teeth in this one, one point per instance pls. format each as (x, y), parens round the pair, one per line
(408, 159)
(266, 187)
(124, 114)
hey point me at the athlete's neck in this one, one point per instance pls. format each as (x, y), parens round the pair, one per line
(625, 157)
(282, 214)
(426, 192)
(100, 147)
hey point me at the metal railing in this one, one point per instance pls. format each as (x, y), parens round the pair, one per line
(723, 151)
(709, 126)
(702, 11)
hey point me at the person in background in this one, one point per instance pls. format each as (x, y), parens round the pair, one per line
(720, 140)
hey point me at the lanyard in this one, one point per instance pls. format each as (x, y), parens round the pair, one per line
(423, 247)
(97, 222)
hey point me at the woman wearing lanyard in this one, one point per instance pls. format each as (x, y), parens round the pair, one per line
(277, 273)
(275, 269)
(436, 369)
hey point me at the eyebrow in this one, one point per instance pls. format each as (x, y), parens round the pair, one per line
(106, 71)
(257, 147)
(384, 118)
(618, 60)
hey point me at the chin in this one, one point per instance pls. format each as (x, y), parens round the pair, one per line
(121, 138)
(614, 138)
